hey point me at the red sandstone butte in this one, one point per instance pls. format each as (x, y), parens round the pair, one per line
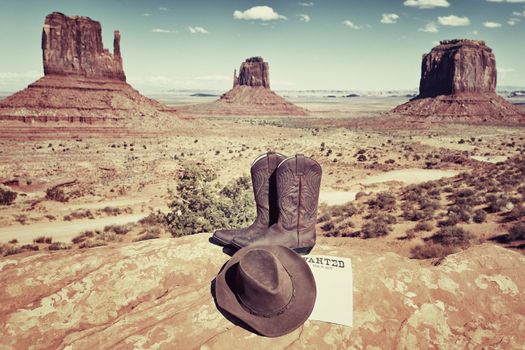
(458, 82)
(250, 95)
(83, 82)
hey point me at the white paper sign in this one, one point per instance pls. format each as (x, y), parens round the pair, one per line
(333, 278)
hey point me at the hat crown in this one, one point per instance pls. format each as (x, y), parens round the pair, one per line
(264, 286)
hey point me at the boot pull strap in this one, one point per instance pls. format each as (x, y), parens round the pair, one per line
(272, 161)
(299, 159)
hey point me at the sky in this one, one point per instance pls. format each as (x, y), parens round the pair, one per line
(323, 45)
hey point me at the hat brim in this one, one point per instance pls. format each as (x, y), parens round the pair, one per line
(297, 311)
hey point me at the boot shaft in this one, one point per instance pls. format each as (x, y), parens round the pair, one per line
(298, 186)
(264, 187)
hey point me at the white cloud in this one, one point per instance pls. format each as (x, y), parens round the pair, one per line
(197, 30)
(430, 27)
(389, 18)
(164, 9)
(307, 4)
(262, 13)
(513, 21)
(474, 32)
(303, 17)
(453, 21)
(349, 24)
(426, 4)
(160, 30)
(519, 14)
(491, 24)
(146, 14)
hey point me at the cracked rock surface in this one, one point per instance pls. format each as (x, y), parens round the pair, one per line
(156, 295)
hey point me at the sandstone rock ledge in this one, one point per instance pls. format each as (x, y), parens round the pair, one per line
(156, 295)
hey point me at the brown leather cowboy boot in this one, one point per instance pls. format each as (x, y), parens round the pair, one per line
(265, 191)
(298, 185)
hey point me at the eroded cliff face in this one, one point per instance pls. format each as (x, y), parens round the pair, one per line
(157, 294)
(73, 46)
(83, 82)
(458, 66)
(458, 83)
(253, 72)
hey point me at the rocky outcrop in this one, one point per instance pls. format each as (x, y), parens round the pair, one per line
(458, 66)
(253, 72)
(458, 82)
(250, 95)
(83, 82)
(158, 294)
(73, 46)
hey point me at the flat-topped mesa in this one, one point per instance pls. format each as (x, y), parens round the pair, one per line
(253, 72)
(73, 46)
(458, 66)
(458, 83)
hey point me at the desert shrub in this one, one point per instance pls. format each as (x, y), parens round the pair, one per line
(384, 201)
(424, 226)
(345, 210)
(29, 247)
(7, 197)
(462, 212)
(479, 216)
(517, 232)
(152, 233)
(152, 219)
(83, 236)
(108, 237)
(382, 217)
(21, 218)
(92, 243)
(58, 246)
(118, 229)
(13, 241)
(451, 220)
(324, 217)
(375, 229)
(431, 251)
(56, 194)
(515, 214)
(43, 239)
(196, 207)
(496, 203)
(329, 226)
(453, 236)
(79, 214)
(429, 204)
(12, 250)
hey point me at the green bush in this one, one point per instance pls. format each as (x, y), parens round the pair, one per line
(197, 207)
(7, 197)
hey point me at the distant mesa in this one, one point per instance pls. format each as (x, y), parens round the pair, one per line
(250, 95)
(458, 82)
(253, 72)
(83, 82)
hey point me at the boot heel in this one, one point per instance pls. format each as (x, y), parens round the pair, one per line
(303, 251)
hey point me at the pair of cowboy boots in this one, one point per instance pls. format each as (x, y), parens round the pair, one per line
(286, 194)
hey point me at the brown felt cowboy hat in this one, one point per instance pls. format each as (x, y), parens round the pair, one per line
(270, 288)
